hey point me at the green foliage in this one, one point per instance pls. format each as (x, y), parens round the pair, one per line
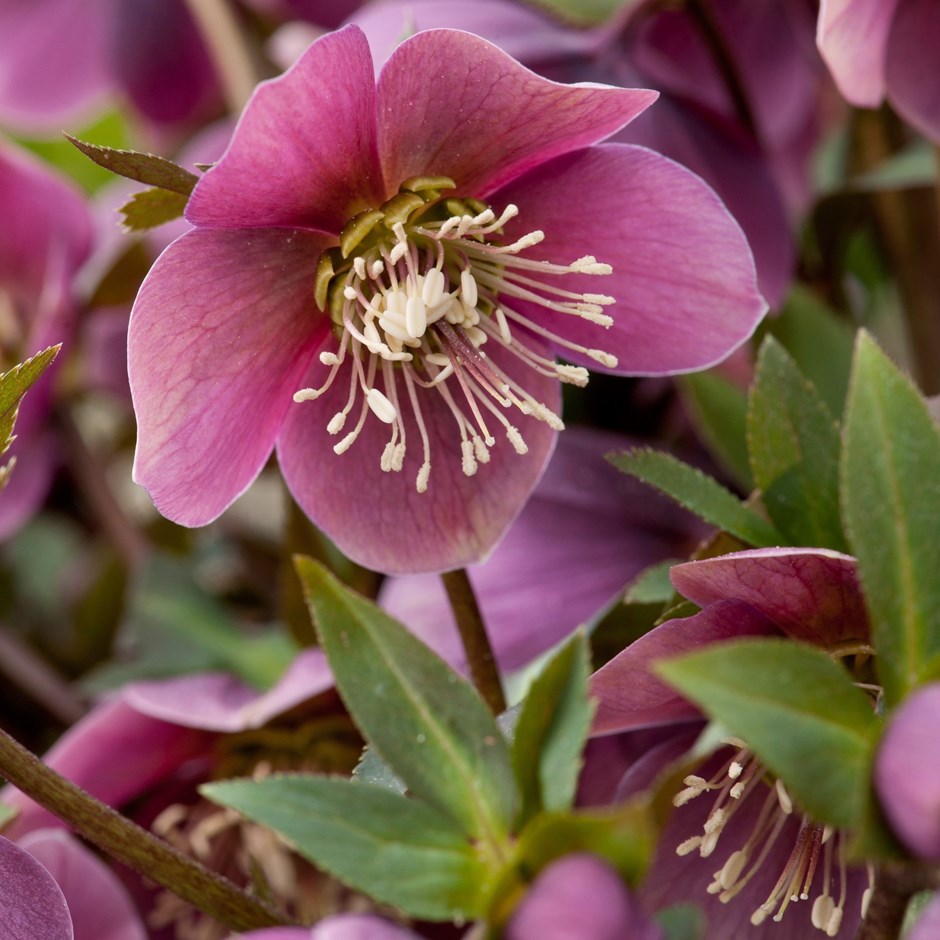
(794, 444)
(584, 12)
(652, 585)
(551, 730)
(399, 851)
(423, 720)
(152, 207)
(699, 493)
(797, 709)
(14, 384)
(146, 168)
(891, 504)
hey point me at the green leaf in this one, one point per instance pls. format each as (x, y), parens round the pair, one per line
(699, 493)
(152, 207)
(14, 384)
(373, 770)
(912, 168)
(425, 721)
(797, 709)
(7, 813)
(891, 505)
(719, 410)
(551, 730)
(682, 922)
(584, 12)
(794, 448)
(395, 849)
(652, 585)
(146, 168)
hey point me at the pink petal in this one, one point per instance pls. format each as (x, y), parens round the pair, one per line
(99, 905)
(115, 753)
(928, 924)
(852, 36)
(359, 927)
(220, 702)
(452, 104)
(683, 275)
(911, 72)
(31, 905)
(37, 457)
(303, 153)
(630, 695)
(221, 332)
(585, 533)
(810, 594)
(379, 519)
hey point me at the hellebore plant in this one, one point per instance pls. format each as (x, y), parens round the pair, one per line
(402, 262)
(878, 49)
(737, 844)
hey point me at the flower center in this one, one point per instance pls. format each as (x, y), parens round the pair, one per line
(739, 779)
(416, 289)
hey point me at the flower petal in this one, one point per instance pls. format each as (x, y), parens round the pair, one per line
(630, 695)
(907, 772)
(217, 701)
(99, 906)
(928, 924)
(221, 332)
(378, 518)
(32, 907)
(304, 151)
(852, 36)
(683, 275)
(453, 104)
(911, 70)
(810, 594)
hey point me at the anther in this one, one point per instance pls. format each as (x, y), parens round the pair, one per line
(380, 406)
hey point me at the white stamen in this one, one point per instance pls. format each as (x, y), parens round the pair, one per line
(468, 288)
(381, 407)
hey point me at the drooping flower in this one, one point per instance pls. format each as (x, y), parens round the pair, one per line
(587, 531)
(736, 844)
(885, 49)
(401, 262)
(757, 162)
(907, 772)
(45, 237)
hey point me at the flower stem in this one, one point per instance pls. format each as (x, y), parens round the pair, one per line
(234, 61)
(473, 636)
(129, 843)
(895, 885)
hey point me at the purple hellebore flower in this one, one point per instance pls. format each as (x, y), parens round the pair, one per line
(760, 173)
(346, 264)
(45, 238)
(879, 49)
(761, 851)
(61, 59)
(587, 531)
(907, 772)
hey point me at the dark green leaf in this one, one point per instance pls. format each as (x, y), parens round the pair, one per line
(373, 770)
(797, 709)
(395, 849)
(794, 445)
(551, 730)
(146, 168)
(891, 505)
(152, 207)
(700, 494)
(426, 722)
(719, 409)
(652, 585)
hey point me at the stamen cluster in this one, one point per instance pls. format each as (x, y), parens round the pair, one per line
(416, 289)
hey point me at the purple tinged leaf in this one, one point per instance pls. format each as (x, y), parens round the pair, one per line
(32, 907)
(146, 168)
(150, 208)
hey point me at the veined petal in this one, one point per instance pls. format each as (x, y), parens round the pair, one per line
(304, 151)
(99, 906)
(852, 36)
(32, 906)
(911, 69)
(683, 276)
(453, 104)
(811, 594)
(631, 696)
(221, 332)
(378, 518)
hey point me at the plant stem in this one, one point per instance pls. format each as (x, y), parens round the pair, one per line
(234, 62)
(473, 636)
(895, 885)
(129, 843)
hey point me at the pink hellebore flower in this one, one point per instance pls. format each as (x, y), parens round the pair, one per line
(907, 772)
(401, 262)
(45, 237)
(879, 49)
(736, 845)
